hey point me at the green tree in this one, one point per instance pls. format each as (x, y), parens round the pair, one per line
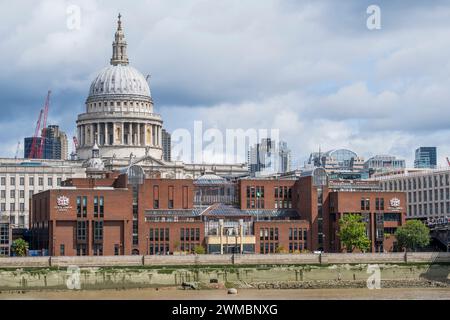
(19, 247)
(353, 233)
(281, 249)
(414, 234)
(199, 250)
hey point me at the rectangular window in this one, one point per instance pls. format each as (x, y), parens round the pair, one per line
(84, 207)
(79, 207)
(62, 250)
(50, 182)
(31, 181)
(96, 206)
(12, 194)
(98, 230)
(197, 234)
(22, 194)
(12, 181)
(155, 197)
(170, 195)
(150, 237)
(98, 250)
(3, 181)
(102, 206)
(22, 181)
(41, 181)
(21, 207)
(182, 234)
(192, 234)
(81, 249)
(166, 234)
(58, 182)
(81, 230)
(116, 250)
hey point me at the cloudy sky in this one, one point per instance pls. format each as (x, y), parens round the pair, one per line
(309, 68)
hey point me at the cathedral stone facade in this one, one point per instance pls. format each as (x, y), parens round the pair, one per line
(119, 113)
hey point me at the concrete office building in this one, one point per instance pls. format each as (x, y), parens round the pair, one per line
(269, 157)
(428, 191)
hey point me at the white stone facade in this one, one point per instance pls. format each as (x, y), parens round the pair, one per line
(20, 179)
(428, 191)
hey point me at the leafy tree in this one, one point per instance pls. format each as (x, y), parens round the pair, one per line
(414, 234)
(19, 247)
(281, 249)
(353, 233)
(199, 250)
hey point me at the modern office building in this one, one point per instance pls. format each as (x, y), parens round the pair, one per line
(129, 212)
(55, 145)
(166, 145)
(381, 163)
(337, 160)
(428, 191)
(425, 157)
(269, 157)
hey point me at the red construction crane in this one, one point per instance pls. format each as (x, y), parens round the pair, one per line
(448, 162)
(44, 126)
(34, 148)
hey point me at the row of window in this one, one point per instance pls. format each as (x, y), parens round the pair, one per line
(81, 249)
(31, 181)
(255, 192)
(99, 207)
(118, 103)
(283, 192)
(159, 234)
(170, 200)
(297, 246)
(298, 234)
(266, 247)
(190, 234)
(268, 234)
(365, 204)
(428, 196)
(12, 207)
(82, 230)
(429, 209)
(418, 182)
(13, 193)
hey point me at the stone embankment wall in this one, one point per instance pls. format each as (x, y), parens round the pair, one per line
(222, 260)
(205, 271)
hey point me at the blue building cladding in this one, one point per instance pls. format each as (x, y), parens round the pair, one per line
(426, 157)
(52, 148)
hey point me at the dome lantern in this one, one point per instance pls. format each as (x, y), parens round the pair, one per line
(119, 46)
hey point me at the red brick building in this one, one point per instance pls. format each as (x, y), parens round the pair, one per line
(122, 214)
